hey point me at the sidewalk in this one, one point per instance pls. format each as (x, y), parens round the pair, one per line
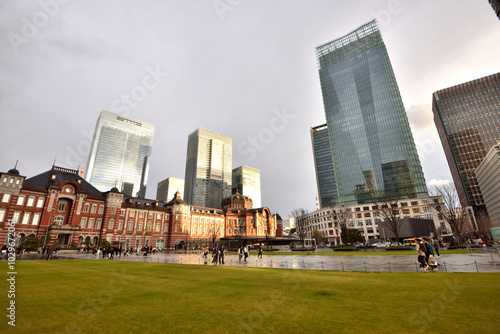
(477, 262)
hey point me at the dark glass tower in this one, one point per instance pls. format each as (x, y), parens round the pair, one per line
(323, 163)
(467, 117)
(373, 150)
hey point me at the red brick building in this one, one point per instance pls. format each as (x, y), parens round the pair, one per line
(63, 205)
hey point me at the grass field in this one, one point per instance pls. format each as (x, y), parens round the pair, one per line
(97, 296)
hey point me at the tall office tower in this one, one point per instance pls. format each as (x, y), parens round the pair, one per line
(495, 4)
(374, 155)
(467, 117)
(120, 154)
(246, 180)
(323, 163)
(208, 168)
(168, 187)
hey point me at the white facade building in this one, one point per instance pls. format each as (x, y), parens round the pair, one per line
(365, 217)
(488, 177)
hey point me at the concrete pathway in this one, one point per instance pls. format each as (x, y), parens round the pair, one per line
(477, 262)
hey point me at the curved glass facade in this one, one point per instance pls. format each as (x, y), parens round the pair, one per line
(373, 150)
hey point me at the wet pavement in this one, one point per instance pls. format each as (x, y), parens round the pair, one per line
(475, 262)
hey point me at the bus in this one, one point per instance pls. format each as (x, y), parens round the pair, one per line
(409, 242)
(448, 239)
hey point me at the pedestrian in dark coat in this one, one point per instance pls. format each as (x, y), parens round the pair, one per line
(435, 244)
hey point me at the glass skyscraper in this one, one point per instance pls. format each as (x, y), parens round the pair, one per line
(373, 151)
(208, 168)
(246, 180)
(467, 117)
(323, 163)
(120, 154)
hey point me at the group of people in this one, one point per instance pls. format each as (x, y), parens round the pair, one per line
(425, 251)
(243, 251)
(218, 253)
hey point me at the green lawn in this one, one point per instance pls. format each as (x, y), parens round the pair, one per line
(99, 296)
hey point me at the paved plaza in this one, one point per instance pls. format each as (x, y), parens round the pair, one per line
(476, 262)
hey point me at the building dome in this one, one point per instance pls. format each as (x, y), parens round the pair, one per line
(13, 171)
(236, 198)
(115, 190)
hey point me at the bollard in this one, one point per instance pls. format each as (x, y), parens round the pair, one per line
(445, 269)
(271, 263)
(416, 266)
(322, 267)
(390, 268)
(304, 263)
(365, 265)
(342, 266)
(181, 260)
(286, 263)
(492, 259)
(476, 266)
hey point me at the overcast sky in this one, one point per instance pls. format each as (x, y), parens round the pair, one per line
(245, 69)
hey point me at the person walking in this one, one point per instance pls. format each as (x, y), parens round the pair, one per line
(215, 254)
(260, 252)
(435, 244)
(221, 254)
(429, 250)
(245, 251)
(49, 253)
(420, 248)
(240, 253)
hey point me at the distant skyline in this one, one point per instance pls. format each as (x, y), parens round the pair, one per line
(248, 72)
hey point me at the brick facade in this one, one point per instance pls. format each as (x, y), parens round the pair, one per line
(63, 205)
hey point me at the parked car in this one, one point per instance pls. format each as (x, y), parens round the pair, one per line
(396, 244)
(358, 244)
(379, 244)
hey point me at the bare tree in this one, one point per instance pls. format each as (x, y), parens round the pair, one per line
(301, 232)
(265, 227)
(449, 208)
(341, 217)
(483, 222)
(391, 214)
(214, 233)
